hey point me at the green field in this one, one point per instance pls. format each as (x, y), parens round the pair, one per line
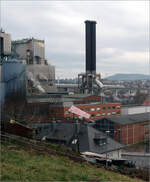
(18, 164)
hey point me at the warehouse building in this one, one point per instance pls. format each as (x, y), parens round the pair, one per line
(127, 129)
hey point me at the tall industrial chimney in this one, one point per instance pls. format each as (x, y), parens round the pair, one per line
(90, 34)
(90, 81)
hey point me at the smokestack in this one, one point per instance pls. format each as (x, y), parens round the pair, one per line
(90, 46)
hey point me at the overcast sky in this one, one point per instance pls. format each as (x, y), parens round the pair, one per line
(122, 33)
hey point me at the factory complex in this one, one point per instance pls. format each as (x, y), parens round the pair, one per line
(28, 77)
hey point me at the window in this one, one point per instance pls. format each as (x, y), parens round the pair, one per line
(74, 141)
(108, 113)
(80, 117)
(98, 109)
(113, 107)
(104, 108)
(67, 112)
(103, 114)
(98, 115)
(87, 110)
(118, 107)
(118, 112)
(113, 113)
(109, 107)
(101, 141)
(93, 109)
(92, 116)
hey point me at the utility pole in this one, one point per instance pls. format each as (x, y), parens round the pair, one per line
(106, 147)
(77, 136)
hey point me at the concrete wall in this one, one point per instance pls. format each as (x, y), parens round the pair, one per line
(7, 42)
(39, 49)
(21, 50)
(36, 47)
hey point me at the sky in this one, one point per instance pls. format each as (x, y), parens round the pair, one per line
(122, 33)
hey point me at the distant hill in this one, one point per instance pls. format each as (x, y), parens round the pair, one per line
(120, 76)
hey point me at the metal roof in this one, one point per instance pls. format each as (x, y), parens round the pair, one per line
(131, 119)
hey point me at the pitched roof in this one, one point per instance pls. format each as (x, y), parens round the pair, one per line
(58, 131)
(86, 134)
(92, 146)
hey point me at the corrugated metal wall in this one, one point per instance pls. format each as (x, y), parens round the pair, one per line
(12, 79)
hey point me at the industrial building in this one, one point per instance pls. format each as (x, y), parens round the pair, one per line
(40, 79)
(12, 71)
(30, 50)
(55, 107)
(5, 44)
(127, 129)
(40, 74)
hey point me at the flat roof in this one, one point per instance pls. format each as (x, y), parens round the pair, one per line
(131, 119)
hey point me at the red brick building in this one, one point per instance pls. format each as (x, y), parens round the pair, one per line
(56, 108)
(127, 129)
(96, 110)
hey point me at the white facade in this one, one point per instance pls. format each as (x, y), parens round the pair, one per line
(116, 154)
(38, 49)
(135, 110)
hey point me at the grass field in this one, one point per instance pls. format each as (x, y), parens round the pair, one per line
(18, 164)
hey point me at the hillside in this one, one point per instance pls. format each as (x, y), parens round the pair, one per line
(120, 76)
(22, 163)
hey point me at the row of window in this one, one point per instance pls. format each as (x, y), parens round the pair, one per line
(98, 115)
(104, 108)
(104, 114)
(98, 109)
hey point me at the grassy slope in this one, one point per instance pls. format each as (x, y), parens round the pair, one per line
(23, 165)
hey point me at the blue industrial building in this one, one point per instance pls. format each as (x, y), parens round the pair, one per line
(12, 79)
